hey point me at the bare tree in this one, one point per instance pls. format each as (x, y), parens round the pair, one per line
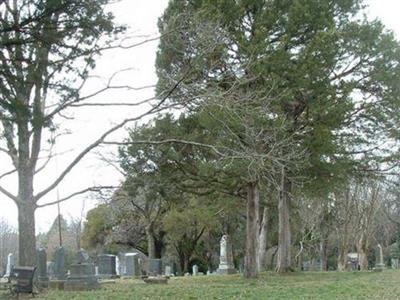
(48, 50)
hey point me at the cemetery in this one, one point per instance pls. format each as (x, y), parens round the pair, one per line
(199, 149)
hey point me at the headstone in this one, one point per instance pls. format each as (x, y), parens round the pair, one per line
(59, 264)
(226, 257)
(395, 263)
(380, 265)
(154, 266)
(132, 266)
(208, 272)
(195, 270)
(41, 259)
(10, 264)
(117, 266)
(168, 271)
(107, 266)
(82, 278)
(82, 257)
(50, 269)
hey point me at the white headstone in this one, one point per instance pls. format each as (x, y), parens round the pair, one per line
(117, 266)
(10, 264)
(226, 257)
(168, 271)
(195, 270)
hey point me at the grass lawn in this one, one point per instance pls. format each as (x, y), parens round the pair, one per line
(307, 285)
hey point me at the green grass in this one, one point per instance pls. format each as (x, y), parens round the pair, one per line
(307, 285)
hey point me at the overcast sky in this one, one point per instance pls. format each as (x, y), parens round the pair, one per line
(88, 124)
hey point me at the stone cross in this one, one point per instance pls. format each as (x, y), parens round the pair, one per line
(226, 257)
(10, 264)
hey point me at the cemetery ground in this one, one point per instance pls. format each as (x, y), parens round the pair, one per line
(305, 285)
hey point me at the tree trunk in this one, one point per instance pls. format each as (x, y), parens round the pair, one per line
(262, 245)
(252, 229)
(342, 259)
(26, 221)
(284, 259)
(323, 252)
(362, 254)
(151, 242)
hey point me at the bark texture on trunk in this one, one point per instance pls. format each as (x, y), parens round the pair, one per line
(323, 252)
(151, 242)
(252, 227)
(342, 259)
(262, 244)
(284, 240)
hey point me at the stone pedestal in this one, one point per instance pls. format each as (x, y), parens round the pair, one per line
(226, 257)
(81, 278)
(107, 266)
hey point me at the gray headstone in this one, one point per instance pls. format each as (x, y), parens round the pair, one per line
(380, 265)
(82, 278)
(168, 271)
(41, 258)
(154, 266)
(107, 265)
(50, 269)
(59, 264)
(226, 257)
(132, 266)
(195, 270)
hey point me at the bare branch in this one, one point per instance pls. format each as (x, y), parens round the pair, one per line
(159, 107)
(8, 194)
(90, 189)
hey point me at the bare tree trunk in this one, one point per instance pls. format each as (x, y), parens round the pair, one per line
(151, 242)
(262, 245)
(342, 259)
(362, 254)
(284, 258)
(252, 229)
(26, 221)
(323, 253)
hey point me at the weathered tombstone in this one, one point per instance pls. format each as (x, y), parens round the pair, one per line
(168, 271)
(395, 263)
(81, 278)
(208, 272)
(132, 266)
(117, 266)
(195, 270)
(380, 265)
(154, 266)
(82, 257)
(50, 269)
(59, 264)
(10, 264)
(226, 257)
(41, 259)
(107, 266)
